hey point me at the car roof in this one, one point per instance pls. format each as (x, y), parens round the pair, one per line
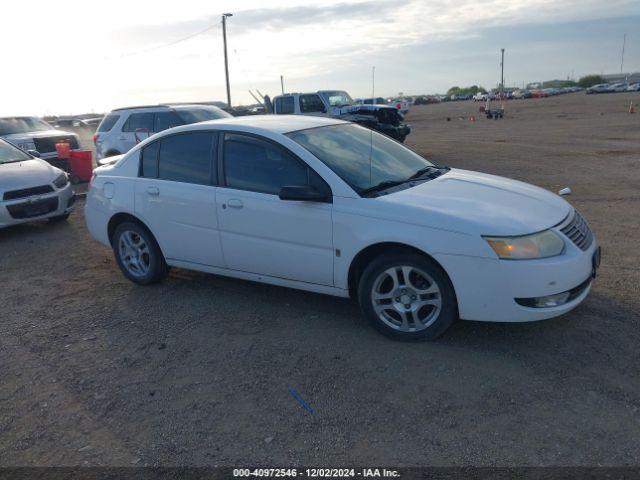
(162, 106)
(270, 123)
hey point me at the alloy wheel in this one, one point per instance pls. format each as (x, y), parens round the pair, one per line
(406, 298)
(134, 253)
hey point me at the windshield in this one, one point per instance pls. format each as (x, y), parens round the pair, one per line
(337, 98)
(9, 153)
(361, 157)
(9, 125)
(201, 114)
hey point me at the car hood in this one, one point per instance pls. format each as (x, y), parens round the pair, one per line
(40, 134)
(30, 173)
(477, 203)
(109, 160)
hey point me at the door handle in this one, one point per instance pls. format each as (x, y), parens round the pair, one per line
(234, 203)
(154, 191)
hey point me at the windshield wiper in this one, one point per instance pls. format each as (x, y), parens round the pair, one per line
(433, 170)
(381, 186)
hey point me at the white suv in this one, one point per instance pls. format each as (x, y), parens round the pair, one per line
(123, 128)
(325, 205)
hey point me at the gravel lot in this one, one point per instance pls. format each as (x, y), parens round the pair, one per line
(198, 370)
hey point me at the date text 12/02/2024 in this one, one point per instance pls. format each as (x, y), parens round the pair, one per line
(317, 472)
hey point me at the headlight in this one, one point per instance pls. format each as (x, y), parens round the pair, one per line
(61, 180)
(538, 245)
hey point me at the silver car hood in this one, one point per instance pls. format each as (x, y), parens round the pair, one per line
(26, 174)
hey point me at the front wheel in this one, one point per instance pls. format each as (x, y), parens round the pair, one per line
(407, 297)
(138, 254)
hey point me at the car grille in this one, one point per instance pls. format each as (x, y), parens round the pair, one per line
(27, 192)
(33, 209)
(48, 144)
(578, 231)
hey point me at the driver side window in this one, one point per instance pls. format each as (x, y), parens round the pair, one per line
(259, 166)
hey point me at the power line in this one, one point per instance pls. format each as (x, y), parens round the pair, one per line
(172, 43)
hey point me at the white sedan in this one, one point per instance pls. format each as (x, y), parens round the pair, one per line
(328, 206)
(31, 189)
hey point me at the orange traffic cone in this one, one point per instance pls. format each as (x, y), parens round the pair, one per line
(472, 118)
(632, 108)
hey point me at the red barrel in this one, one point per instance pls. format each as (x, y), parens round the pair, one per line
(80, 165)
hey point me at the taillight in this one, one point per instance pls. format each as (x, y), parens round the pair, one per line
(95, 138)
(398, 106)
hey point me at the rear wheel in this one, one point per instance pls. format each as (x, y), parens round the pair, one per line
(407, 297)
(138, 254)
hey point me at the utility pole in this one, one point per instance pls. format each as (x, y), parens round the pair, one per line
(502, 76)
(624, 42)
(226, 63)
(373, 83)
(282, 83)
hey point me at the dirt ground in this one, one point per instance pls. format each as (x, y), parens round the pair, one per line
(198, 370)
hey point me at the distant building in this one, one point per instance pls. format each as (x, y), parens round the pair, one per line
(622, 77)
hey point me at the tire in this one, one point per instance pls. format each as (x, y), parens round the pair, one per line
(422, 308)
(59, 218)
(138, 254)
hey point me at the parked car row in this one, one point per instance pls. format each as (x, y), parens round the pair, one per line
(401, 104)
(613, 88)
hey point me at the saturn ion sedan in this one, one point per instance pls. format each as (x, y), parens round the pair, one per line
(31, 189)
(331, 207)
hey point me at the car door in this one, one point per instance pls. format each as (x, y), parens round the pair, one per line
(176, 195)
(259, 232)
(135, 129)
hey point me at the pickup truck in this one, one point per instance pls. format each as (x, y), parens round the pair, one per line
(338, 104)
(34, 134)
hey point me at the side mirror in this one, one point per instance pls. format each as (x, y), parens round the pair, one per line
(34, 153)
(303, 193)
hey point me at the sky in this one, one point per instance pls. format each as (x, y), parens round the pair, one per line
(67, 56)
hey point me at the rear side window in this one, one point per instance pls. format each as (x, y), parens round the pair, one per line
(311, 103)
(139, 121)
(259, 166)
(187, 157)
(149, 160)
(284, 105)
(165, 120)
(108, 122)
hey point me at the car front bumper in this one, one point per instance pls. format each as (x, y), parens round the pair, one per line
(487, 288)
(40, 207)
